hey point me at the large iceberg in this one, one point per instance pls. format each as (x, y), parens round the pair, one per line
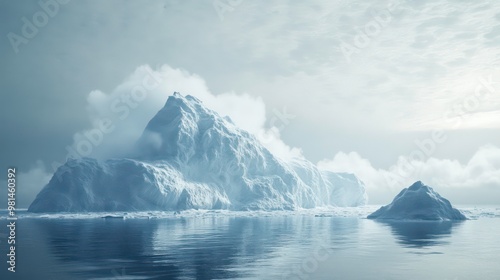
(191, 158)
(418, 202)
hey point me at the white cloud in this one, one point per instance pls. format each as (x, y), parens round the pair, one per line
(270, 138)
(476, 181)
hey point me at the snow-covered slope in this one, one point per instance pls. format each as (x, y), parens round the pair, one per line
(191, 158)
(418, 202)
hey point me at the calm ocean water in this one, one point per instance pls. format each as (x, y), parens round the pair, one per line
(252, 247)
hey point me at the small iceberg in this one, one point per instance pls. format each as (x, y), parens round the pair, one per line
(113, 217)
(418, 202)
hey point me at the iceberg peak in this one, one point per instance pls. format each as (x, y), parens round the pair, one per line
(417, 184)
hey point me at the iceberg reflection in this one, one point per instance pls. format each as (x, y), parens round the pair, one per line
(418, 234)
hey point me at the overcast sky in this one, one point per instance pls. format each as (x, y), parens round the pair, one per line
(394, 91)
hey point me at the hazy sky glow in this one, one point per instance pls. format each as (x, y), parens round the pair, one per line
(394, 91)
